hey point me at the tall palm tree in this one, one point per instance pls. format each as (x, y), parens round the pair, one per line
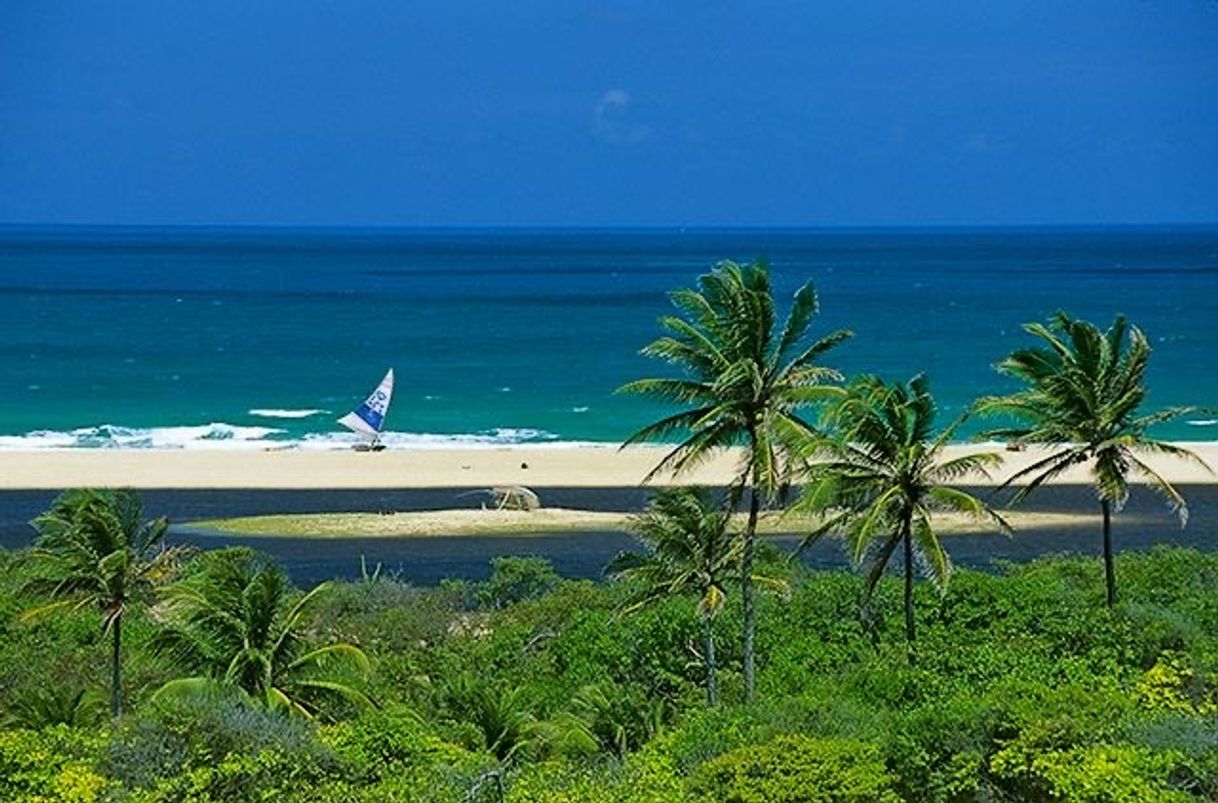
(1084, 388)
(233, 621)
(744, 381)
(94, 549)
(882, 479)
(689, 549)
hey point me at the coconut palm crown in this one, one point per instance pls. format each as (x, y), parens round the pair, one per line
(1082, 397)
(881, 480)
(690, 549)
(744, 382)
(234, 621)
(95, 550)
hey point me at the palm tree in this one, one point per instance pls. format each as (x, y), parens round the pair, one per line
(1084, 388)
(883, 479)
(745, 381)
(612, 720)
(94, 549)
(501, 715)
(689, 549)
(53, 704)
(233, 622)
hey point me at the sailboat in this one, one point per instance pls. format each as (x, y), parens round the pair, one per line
(369, 418)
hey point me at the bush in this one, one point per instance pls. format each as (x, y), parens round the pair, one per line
(1094, 774)
(515, 578)
(646, 777)
(391, 755)
(49, 765)
(797, 769)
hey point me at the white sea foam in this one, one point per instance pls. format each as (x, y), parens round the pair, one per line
(215, 435)
(430, 440)
(274, 412)
(39, 439)
(1203, 422)
(220, 435)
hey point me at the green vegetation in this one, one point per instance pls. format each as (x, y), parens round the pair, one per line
(1027, 688)
(530, 688)
(744, 382)
(94, 549)
(689, 549)
(1084, 391)
(229, 620)
(884, 479)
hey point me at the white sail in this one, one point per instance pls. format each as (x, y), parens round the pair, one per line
(369, 418)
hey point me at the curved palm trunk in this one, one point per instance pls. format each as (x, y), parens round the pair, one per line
(1109, 569)
(909, 587)
(712, 690)
(116, 669)
(748, 596)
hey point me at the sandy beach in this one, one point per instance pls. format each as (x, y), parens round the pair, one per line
(533, 466)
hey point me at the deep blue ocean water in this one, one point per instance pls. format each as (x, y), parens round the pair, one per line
(234, 337)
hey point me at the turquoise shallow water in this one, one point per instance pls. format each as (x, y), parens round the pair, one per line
(231, 338)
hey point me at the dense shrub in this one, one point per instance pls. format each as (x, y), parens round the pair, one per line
(515, 578)
(797, 769)
(1026, 687)
(1093, 774)
(50, 765)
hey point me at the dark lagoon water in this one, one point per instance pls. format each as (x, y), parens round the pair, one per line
(426, 561)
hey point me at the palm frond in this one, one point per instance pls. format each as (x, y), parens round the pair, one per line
(975, 465)
(961, 502)
(1165, 489)
(936, 564)
(341, 655)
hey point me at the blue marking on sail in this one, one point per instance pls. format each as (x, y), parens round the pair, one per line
(369, 417)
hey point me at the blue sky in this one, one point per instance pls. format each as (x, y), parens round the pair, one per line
(569, 113)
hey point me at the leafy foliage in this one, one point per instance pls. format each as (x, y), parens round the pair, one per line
(884, 478)
(689, 549)
(797, 768)
(232, 620)
(744, 381)
(95, 550)
(1083, 392)
(1027, 688)
(514, 579)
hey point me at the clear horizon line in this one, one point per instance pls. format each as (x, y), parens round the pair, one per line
(667, 228)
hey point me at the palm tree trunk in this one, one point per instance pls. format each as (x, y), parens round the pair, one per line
(116, 669)
(909, 588)
(712, 691)
(748, 596)
(1109, 569)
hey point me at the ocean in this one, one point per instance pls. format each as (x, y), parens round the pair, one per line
(254, 338)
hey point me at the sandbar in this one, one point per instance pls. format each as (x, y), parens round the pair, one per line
(484, 522)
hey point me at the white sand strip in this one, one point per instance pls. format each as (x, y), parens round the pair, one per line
(533, 466)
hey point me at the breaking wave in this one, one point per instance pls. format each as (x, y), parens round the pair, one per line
(277, 413)
(504, 436)
(219, 435)
(109, 436)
